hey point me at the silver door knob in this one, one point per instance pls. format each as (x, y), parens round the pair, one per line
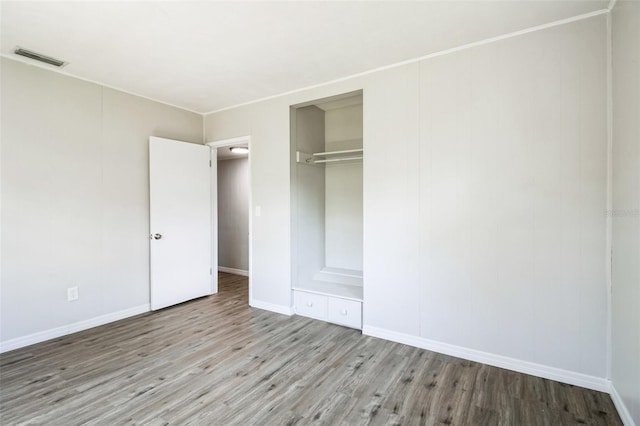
(157, 236)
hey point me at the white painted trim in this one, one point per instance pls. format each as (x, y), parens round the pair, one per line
(609, 216)
(623, 411)
(204, 129)
(214, 145)
(229, 142)
(67, 74)
(526, 367)
(618, 402)
(41, 336)
(421, 58)
(233, 271)
(278, 309)
(213, 181)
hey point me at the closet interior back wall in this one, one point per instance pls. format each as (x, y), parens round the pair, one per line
(343, 195)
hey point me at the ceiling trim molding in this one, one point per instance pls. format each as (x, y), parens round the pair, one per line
(422, 58)
(67, 74)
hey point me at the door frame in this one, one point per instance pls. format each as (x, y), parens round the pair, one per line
(215, 145)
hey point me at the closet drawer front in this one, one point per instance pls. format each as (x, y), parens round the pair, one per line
(345, 312)
(310, 305)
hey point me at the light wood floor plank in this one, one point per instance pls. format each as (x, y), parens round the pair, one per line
(216, 361)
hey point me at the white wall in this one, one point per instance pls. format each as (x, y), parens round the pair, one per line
(233, 213)
(626, 205)
(75, 198)
(343, 182)
(513, 189)
(484, 192)
(391, 205)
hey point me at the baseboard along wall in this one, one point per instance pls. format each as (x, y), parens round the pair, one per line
(278, 309)
(233, 271)
(526, 367)
(623, 411)
(52, 333)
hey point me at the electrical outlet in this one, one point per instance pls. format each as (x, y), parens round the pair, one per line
(72, 294)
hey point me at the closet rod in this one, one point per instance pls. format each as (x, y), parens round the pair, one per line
(331, 160)
(345, 151)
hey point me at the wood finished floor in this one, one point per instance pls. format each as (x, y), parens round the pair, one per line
(215, 361)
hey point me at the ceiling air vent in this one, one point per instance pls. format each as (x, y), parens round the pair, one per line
(39, 57)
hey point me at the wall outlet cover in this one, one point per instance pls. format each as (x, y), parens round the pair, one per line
(72, 294)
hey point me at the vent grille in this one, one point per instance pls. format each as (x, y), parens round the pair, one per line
(39, 57)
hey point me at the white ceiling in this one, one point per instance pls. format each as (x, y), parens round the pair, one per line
(205, 56)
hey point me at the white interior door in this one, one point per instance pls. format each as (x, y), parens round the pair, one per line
(180, 221)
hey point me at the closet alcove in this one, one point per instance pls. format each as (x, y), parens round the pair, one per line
(327, 232)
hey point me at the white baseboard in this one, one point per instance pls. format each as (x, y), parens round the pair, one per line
(233, 271)
(279, 309)
(41, 336)
(539, 370)
(623, 411)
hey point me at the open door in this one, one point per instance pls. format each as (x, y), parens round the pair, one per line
(180, 221)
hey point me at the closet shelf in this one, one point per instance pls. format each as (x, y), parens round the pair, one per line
(343, 291)
(339, 276)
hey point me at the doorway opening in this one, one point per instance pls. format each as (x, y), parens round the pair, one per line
(231, 208)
